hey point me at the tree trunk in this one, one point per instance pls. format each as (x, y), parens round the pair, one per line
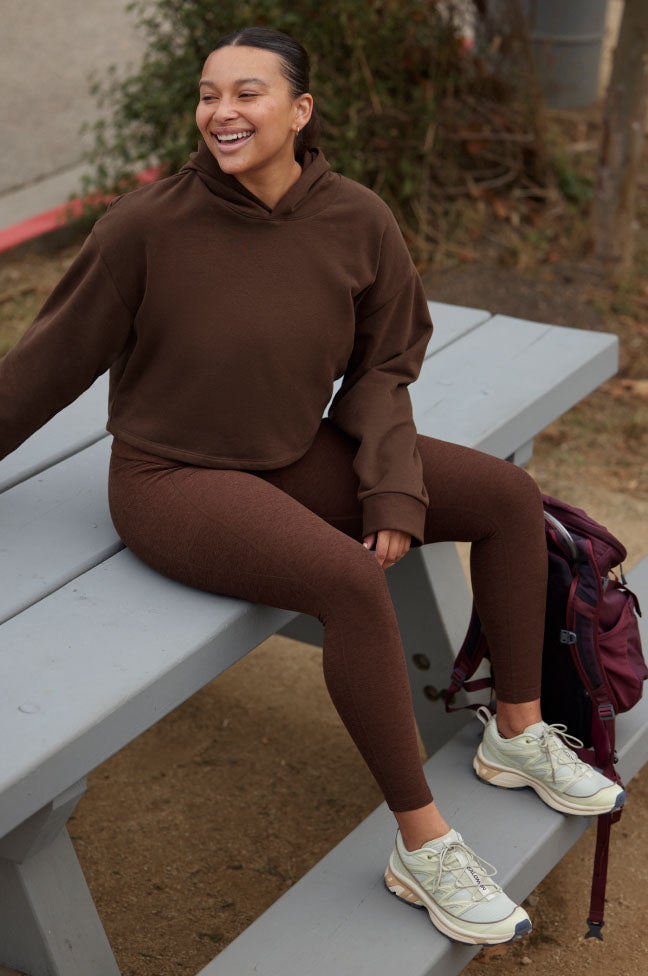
(622, 137)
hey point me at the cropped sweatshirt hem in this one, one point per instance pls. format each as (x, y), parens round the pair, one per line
(226, 323)
(203, 460)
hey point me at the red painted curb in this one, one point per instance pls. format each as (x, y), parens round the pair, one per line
(50, 220)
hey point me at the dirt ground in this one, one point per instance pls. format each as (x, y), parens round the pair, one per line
(193, 830)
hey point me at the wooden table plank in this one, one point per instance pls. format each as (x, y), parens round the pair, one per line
(507, 380)
(451, 322)
(125, 645)
(55, 526)
(72, 429)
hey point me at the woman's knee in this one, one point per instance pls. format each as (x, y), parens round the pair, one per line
(354, 578)
(517, 506)
(511, 498)
(522, 491)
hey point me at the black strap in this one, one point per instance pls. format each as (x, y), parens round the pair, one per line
(477, 685)
(599, 876)
(468, 659)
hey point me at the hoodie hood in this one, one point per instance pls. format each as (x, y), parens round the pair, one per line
(313, 191)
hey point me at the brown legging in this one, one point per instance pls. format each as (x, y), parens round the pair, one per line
(292, 538)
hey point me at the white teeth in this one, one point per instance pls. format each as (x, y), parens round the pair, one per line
(234, 136)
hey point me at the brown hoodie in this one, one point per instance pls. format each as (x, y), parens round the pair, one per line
(225, 324)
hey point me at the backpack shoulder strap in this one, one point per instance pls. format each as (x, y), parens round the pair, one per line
(471, 653)
(583, 610)
(599, 875)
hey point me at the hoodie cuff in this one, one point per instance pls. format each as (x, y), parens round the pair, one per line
(394, 510)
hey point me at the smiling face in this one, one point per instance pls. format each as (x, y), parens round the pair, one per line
(246, 114)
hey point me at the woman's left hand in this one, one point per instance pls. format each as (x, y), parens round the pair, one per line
(391, 546)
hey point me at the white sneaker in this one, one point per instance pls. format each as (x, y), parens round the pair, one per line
(449, 879)
(540, 758)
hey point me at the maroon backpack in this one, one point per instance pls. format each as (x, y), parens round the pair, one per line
(592, 666)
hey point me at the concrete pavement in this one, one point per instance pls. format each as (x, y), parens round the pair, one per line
(47, 51)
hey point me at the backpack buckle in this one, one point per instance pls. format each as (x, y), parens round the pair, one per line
(606, 712)
(458, 677)
(568, 637)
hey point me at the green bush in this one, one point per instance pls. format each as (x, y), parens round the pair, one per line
(405, 107)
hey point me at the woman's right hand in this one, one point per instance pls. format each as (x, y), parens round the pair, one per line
(391, 545)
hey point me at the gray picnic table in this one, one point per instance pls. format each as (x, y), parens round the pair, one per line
(95, 647)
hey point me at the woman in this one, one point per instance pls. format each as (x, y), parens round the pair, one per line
(226, 299)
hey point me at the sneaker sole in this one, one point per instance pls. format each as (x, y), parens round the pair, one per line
(408, 891)
(514, 779)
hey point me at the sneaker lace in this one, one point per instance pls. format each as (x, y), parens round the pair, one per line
(459, 869)
(556, 742)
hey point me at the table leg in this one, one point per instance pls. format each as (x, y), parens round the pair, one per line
(433, 604)
(522, 455)
(49, 925)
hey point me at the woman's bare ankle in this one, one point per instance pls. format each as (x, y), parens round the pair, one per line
(512, 719)
(421, 825)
